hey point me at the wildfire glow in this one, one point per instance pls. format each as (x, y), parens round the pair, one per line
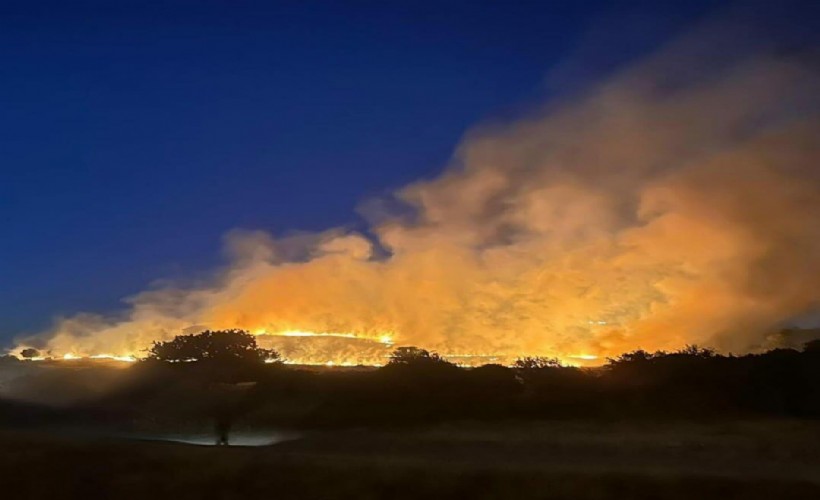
(126, 358)
(297, 333)
(384, 339)
(674, 203)
(69, 356)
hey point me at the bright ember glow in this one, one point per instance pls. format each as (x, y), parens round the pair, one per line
(126, 358)
(384, 339)
(301, 347)
(328, 348)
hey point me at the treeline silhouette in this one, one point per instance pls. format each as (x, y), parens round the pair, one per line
(419, 386)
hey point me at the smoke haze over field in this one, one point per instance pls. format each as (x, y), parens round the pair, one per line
(675, 202)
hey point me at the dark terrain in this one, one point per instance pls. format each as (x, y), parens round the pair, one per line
(688, 424)
(760, 459)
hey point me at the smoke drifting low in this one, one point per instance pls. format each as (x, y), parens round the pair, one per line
(675, 202)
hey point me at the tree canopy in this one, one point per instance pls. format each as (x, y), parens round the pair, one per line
(536, 363)
(415, 356)
(218, 345)
(29, 353)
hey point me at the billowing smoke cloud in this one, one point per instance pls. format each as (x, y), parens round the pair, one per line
(676, 202)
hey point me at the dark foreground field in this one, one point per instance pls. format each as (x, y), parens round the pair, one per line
(749, 460)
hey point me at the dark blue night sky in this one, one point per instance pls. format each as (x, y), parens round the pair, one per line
(133, 135)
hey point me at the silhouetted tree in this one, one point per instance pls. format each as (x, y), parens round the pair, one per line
(633, 357)
(415, 356)
(694, 351)
(30, 353)
(217, 346)
(536, 362)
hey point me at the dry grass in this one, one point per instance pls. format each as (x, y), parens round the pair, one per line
(565, 460)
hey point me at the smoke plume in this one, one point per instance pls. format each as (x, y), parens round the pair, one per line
(672, 203)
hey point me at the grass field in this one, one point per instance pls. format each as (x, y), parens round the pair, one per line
(749, 460)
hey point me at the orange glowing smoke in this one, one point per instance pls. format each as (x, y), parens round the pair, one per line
(677, 202)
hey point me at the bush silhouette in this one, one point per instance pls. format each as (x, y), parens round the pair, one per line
(29, 353)
(213, 346)
(415, 356)
(536, 362)
(418, 386)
